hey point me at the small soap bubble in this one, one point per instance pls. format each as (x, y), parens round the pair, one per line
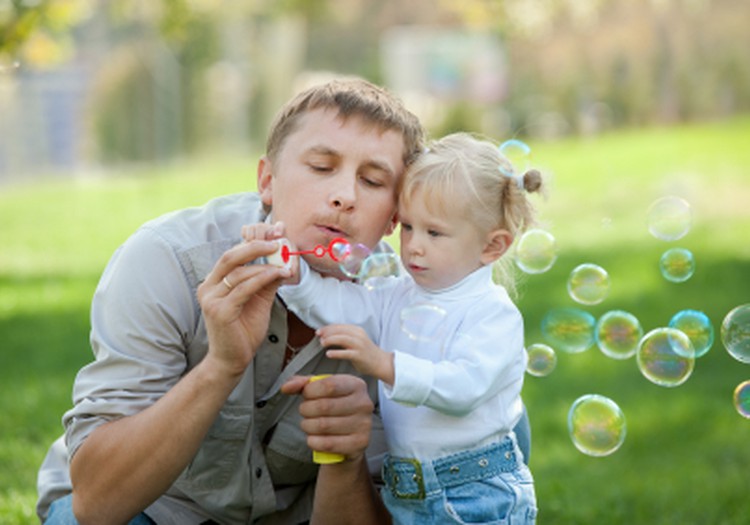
(569, 329)
(541, 360)
(378, 268)
(423, 322)
(697, 326)
(742, 399)
(666, 357)
(669, 218)
(588, 284)
(596, 425)
(350, 257)
(677, 265)
(618, 334)
(735, 333)
(518, 154)
(536, 251)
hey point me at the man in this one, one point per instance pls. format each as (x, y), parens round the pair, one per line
(189, 415)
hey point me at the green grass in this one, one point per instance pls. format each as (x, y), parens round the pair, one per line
(685, 456)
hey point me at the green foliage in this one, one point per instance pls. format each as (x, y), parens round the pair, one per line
(685, 456)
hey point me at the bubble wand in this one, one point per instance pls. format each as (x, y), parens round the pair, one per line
(336, 250)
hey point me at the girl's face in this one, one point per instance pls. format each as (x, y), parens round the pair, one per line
(439, 249)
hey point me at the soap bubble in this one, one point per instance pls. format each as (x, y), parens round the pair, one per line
(518, 153)
(424, 322)
(350, 257)
(677, 265)
(588, 284)
(541, 360)
(569, 329)
(697, 326)
(735, 333)
(377, 268)
(669, 218)
(666, 357)
(596, 425)
(618, 334)
(742, 399)
(536, 251)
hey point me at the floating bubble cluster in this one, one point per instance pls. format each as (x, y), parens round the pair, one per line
(536, 251)
(618, 334)
(541, 360)
(588, 284)
(596, 425)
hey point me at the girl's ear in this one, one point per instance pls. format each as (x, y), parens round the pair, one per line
(265, 181)
(497, 243)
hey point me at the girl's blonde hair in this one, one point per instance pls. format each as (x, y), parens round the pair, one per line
(469, 175)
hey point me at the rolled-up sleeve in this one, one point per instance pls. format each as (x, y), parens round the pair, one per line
(143, 313)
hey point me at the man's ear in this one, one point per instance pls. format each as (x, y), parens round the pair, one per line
(265, 181)
(497, 243)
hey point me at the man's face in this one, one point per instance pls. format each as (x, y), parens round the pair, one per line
(333, 178)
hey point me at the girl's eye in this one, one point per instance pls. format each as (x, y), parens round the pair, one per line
(405, 226)
(433, 233)
(321, 168)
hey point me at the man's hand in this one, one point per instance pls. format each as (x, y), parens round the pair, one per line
(336, 411)
(236, 300)
(351, 342)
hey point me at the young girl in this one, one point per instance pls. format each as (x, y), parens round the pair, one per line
(448, 403)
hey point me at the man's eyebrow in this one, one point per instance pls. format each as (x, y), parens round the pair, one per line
(322, 149)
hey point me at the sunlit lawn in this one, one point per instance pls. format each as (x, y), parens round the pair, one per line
(686, 453)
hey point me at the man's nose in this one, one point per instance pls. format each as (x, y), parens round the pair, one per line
(343, 194)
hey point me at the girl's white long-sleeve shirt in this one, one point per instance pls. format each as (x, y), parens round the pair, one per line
(458, 353)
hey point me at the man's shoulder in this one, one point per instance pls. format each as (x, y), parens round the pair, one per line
(219, 219)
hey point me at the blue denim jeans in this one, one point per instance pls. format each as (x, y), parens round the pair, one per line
(61, 513)
(490, 485)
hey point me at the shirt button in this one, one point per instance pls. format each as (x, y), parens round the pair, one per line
(273, 338)
(261, 403)
(258, 472)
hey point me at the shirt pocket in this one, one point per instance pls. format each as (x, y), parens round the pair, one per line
(223, 452)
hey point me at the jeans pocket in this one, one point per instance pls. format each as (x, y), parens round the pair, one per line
(490, 501)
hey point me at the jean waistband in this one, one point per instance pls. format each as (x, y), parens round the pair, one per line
(408, 478)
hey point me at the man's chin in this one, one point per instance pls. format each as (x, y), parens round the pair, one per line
(326, 267)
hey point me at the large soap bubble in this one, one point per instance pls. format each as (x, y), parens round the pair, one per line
(569, 329)
(697, 326)
(742, 399)
(735, 333)
(677, 265)
(588, 284)
(596, 425)
(541, 360)
(669, 218)
(618, 334)
(536, 251)
(666, 357)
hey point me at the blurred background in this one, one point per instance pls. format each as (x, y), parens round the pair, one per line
(114, 112)
(87, 84)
